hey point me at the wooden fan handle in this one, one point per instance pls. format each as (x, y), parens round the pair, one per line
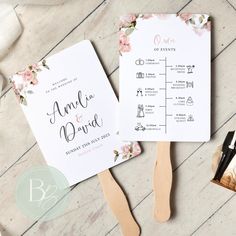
(162, 182)
(118, 203)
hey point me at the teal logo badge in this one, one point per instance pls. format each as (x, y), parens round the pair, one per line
(42, 193)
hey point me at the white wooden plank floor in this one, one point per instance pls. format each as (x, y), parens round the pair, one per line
(200, 207)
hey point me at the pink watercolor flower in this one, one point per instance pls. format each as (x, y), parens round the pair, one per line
(208, 26)
(17, 87)
(35, 66)
(27, 74)
(34, 81)
(124, 44)
(185, 16)
(16, 90)
(128, 150)
(147, 16)
(126, 21)
(125, 149)
(136, 149)
(25, 79)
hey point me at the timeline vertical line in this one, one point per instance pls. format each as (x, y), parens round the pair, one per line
(165, 96)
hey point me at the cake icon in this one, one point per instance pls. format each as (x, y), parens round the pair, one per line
(189, 101)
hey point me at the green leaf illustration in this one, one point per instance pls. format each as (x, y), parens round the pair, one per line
(44, 64)
(129, 31)
(23, 100)
(201, 19)
(116, 152)
(115, 158)
(38, 70)
(192, 21)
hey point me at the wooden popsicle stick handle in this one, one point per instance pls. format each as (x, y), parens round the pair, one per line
(162, 182)
(118, 203)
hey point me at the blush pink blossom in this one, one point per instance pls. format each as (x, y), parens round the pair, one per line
(27, 75)
(136, 149)
(16, 90)
(34, 81)
(124, 44)
(125, 21)
(125, 149)
(19, 87)
(25, 79)
(185, 16)
(208, 26)
(147, 16)
(35, 66)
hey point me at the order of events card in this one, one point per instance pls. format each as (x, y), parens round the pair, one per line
(72, 111)
(165, 77)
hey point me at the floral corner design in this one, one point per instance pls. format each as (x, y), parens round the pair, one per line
(127, 151)
(128, 25)
(199, 22)
(24, 80)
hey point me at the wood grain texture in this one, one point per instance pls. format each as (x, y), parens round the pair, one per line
(232, 3)
(15, 132)
(138, 186)
(162, 182)
(221, 222)
(118, 203)
(11, 217)
(43, 28)
(195, 199)
(102, 26)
